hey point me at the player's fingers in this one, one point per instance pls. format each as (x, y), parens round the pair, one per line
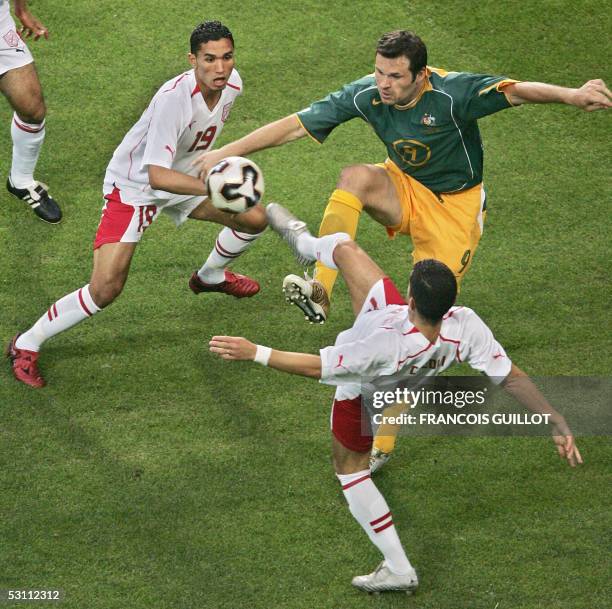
(578, 455)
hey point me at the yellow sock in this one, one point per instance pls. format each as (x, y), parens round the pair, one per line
(387, 432)
(341, 216)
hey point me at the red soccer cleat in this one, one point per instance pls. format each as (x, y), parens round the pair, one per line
(236, 285)
(24, 364)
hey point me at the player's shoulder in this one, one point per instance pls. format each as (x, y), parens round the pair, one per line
(458, 84)
(180, 85)
(458, 320)
(363, 86)
(448, 81)
(234, 82)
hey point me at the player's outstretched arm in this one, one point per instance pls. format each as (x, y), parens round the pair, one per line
(238, 348)
(593, 95)
(521, 387)
(273, 134)
(30, 25)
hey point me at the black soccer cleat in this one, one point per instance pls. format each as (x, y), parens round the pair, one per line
(37, 197)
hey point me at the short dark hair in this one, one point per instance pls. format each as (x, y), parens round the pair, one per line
(434, 289)
(406, 43)
(207, 31)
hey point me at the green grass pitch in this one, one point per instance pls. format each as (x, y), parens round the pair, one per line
(150, 475)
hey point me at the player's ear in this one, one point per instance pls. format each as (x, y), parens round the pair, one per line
(411, 303)
(192, 59)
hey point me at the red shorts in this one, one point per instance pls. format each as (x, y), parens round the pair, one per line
(121, 222)
(350, 424)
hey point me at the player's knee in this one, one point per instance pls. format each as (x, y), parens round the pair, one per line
(346, 246)
(105, 292)
(355, 179)
(349, 462)
(34, 113)
(254, 221)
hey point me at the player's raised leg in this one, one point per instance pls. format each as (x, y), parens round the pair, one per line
(359, 187)
(366, 503)
(337, 251)
(110, 271)
(240, 232)
(22, 88)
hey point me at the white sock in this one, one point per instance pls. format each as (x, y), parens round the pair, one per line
(65, 313)
(370, 510)
(321, 248)
(27, 141)
(229, 245)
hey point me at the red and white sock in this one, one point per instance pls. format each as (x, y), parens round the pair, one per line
(229, 245)
(370, 510)
(65, 313)
(27, 141)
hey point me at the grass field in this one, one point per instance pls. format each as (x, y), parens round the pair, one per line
(149, 475)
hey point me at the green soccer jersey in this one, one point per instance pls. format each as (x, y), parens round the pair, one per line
(435, 139)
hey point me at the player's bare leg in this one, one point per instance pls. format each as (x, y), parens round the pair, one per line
(359, 271)
(110, 271)
(111, 267)
(369, 508)
(240, 232)
(23, 91)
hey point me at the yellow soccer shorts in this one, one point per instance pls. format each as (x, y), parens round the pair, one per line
(444, 226)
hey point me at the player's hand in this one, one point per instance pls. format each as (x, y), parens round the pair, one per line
(207, 160)
(593, 95)
(233, 347)
(30, 26)
(565, 443)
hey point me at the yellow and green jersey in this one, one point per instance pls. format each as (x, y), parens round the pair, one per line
(435, 138)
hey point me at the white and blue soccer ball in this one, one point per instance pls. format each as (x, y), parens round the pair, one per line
(235, 184)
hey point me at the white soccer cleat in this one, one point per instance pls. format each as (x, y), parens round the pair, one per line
(283, 222)
(377, 459)
(383, 580)
(309, 295)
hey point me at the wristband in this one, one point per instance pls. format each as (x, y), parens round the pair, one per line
(262, 355)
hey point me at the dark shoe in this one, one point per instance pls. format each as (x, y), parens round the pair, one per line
(37, 197)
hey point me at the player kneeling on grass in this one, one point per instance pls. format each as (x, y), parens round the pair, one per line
(149, 173)
(389, 337)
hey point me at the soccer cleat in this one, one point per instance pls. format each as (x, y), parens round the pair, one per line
(377, 459)
(24, 364)
(37, 197)
(236, 285)
(289, 228)
(309, 295)
(383, 580)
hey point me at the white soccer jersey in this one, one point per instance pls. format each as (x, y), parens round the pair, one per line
(175, 128)
(4, 10)
(383, 342)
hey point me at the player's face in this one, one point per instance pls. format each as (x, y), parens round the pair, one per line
(213, 64)
(394, 80)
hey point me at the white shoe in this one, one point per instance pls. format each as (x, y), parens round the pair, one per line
(289, 227)
(309, 295)
(383, 580)
(377, 459)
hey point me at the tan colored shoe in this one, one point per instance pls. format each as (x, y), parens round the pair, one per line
(309, 295)
(377, 459)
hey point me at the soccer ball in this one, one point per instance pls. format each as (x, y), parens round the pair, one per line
(235, 184)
